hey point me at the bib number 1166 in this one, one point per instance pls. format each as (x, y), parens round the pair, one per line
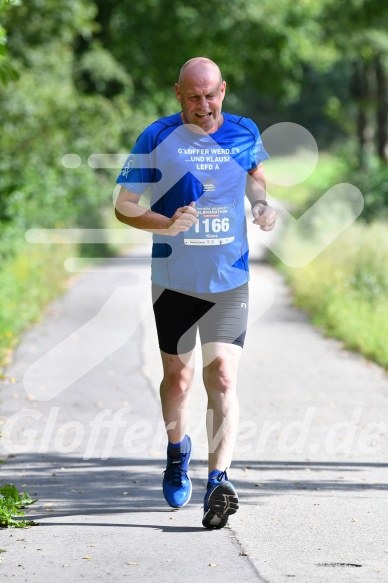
(216, 226)
(213, 225)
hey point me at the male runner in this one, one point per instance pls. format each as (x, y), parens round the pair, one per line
(200, 163)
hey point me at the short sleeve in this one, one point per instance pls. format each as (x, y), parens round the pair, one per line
(258, 152)
(138, 171)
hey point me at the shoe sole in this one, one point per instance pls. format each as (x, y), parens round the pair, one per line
(222, 502)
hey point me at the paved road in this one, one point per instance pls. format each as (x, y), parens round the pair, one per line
(87, 441)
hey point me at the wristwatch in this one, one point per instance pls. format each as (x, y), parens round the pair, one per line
(264, 202)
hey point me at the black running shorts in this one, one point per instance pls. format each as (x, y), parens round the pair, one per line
(219, 317)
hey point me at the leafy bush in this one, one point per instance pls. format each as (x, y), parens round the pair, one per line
(11, 503)
(45, 114)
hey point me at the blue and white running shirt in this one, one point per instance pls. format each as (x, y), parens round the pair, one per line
(181, 166)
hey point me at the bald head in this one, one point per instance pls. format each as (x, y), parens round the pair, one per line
(199, 66)
(200, 91)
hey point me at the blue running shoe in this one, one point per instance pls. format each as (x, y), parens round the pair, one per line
(176, 482)
(220, 502)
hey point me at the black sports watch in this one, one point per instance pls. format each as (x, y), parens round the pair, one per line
(264, 202)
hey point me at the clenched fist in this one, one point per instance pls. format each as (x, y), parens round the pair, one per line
(183, 218)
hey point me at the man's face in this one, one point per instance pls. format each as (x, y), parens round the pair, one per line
(201, 96)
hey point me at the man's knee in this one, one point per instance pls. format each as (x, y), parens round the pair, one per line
(220, 375)
(176, 384)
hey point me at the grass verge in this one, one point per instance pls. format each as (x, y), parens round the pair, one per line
(345, 288)
(28, 282)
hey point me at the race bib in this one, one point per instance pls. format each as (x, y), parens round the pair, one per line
(216, 226)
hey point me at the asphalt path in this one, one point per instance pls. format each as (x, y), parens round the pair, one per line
(82, 433)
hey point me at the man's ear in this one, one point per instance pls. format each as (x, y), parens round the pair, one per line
(223, 89)
(177, 92)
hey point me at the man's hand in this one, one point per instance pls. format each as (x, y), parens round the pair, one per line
(183, 218)
(264, 216)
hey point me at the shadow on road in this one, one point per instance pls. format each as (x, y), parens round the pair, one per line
(308, 475)
(69, 486)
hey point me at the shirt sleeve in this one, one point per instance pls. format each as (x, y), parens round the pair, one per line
(138, 171)
(258, 153)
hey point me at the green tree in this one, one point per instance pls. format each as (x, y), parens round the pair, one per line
(358, 30)
(44, 116)
(7, 72)
(258, 45)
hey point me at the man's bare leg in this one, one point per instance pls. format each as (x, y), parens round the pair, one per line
(220, 375)
(175, 392)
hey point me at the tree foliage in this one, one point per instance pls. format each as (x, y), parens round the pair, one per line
(357, 29)
(44, 115)
(93, 73)
(7, 72)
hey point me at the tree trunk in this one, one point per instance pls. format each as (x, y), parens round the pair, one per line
(381, 110)
(361, 91)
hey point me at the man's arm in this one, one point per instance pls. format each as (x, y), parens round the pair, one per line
(256, 191)
(256, 186)
(129, 211)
